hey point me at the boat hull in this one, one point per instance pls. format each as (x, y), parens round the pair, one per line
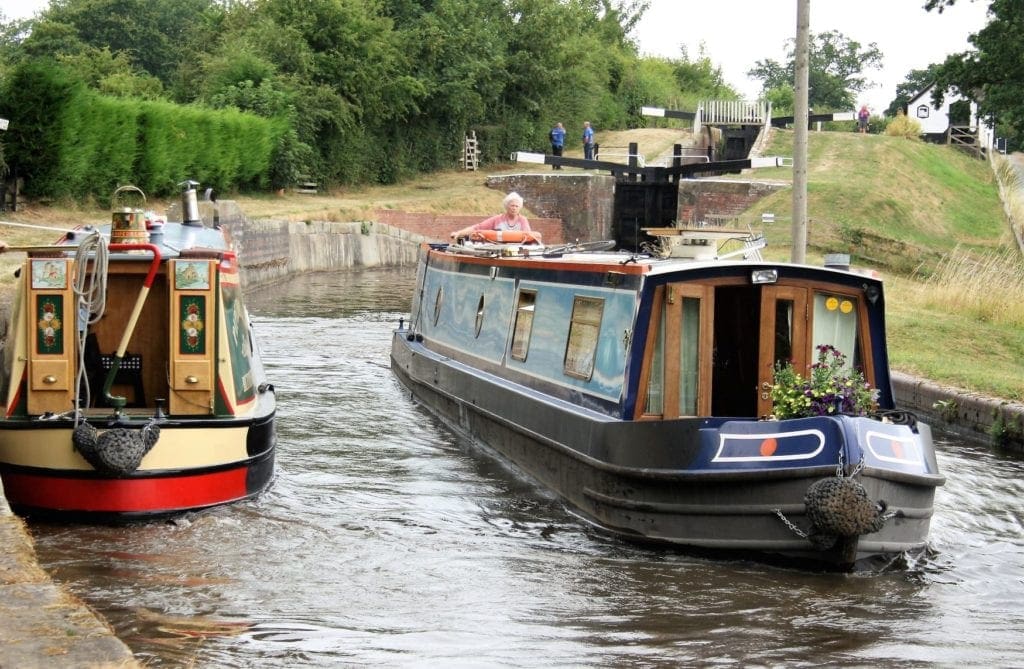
(194, 465)
(668, 482)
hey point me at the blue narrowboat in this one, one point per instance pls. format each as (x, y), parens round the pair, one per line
(647, 392)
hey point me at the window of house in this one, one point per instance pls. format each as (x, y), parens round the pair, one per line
(922, 111)
(583, 333)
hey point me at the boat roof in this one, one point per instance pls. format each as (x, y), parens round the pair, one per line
(623, 262)
(172, 239)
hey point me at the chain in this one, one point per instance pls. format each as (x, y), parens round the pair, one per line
(859, 467)
(796, 530)
(839, 467)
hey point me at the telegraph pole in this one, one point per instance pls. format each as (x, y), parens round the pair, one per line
(800, 121)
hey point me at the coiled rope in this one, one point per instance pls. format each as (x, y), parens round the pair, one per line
(91, 297)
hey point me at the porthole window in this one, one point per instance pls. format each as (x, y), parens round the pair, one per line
(437, 304)
(479, 316)
(922, 111)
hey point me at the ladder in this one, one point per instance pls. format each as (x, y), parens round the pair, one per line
(470, 156)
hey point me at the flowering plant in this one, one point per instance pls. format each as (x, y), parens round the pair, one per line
(829, 390)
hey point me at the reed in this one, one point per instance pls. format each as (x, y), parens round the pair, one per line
(987, 287)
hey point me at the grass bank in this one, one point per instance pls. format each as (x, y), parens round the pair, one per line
(928, 218)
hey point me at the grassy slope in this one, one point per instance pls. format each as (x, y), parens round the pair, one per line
(895, 205)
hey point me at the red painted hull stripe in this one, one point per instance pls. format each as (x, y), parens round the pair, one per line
(125, 495)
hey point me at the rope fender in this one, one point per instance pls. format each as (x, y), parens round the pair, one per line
(840, 507)
(118, 451)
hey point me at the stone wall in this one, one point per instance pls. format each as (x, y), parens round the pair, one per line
(968, 415)
(269, 250)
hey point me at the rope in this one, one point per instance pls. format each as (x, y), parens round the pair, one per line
(91, 297)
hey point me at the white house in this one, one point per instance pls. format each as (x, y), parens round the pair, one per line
(935, 121)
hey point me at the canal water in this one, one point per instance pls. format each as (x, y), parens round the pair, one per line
(386, 541)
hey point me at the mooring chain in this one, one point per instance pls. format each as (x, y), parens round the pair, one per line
(840, 474)
(796, 530)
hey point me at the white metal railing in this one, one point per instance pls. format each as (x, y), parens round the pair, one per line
(734, 112)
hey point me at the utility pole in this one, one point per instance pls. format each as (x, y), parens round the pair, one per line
(800, 121)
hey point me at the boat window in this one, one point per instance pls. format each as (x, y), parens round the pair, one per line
(479, 316)
(437, 304)
(583, 332)
(689, 361)
(524, 324)
(835, 324)
(783, 331)
(656, 384)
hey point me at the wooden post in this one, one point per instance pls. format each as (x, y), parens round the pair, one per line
(800, 120)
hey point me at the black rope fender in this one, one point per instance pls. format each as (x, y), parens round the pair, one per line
(118, 451)
(839, 507)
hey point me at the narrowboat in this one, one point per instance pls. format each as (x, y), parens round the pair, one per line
(694, 396)
(131, 379)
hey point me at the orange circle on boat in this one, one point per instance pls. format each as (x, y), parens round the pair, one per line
(831, 303)
(768, 446)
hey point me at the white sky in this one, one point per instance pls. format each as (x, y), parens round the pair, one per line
(738, 33)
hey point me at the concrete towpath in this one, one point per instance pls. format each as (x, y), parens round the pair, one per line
(41, 624)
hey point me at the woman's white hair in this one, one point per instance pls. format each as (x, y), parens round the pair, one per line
(512, 197)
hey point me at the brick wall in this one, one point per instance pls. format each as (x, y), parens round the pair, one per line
(699, 198)
(438, 227)
(583, 202)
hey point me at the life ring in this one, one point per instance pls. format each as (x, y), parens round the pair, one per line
(505, 236)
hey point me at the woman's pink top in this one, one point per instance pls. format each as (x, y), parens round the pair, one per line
(503, 222)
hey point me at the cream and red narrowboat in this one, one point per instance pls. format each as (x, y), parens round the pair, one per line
(132, 383)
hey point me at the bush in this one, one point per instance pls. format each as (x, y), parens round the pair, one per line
(903, 126)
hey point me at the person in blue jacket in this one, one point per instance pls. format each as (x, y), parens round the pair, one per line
(588, 141)
(557, 137)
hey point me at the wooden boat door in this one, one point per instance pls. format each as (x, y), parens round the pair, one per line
(677, 367)
(783, 337)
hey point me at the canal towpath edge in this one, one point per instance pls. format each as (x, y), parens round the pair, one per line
(43, 624)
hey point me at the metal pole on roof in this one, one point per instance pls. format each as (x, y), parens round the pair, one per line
(800, 120)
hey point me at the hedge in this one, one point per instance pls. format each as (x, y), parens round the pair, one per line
(67, 140)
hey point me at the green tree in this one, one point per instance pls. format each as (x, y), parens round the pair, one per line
(836, 70)
(914, 82)
(156, 35)
(992, 73)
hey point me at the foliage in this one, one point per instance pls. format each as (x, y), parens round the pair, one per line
(72, 141)
(903, 126)
(159, 36)
(913, 83)
(370, 90)
(836, 67)
(992, 74)
(830, 389)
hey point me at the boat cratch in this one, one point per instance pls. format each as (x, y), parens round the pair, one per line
(132, 383)
(695, 395)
